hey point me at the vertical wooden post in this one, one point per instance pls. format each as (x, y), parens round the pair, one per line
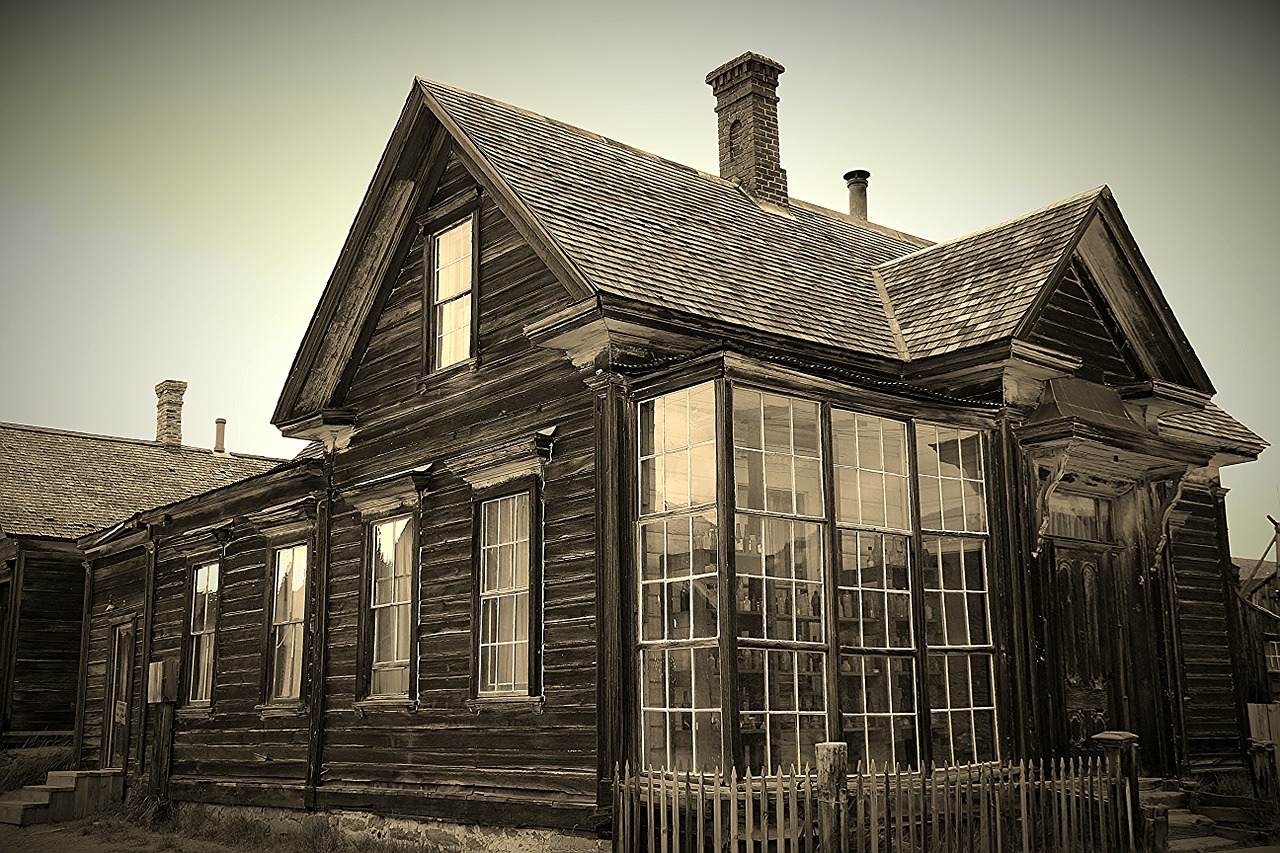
(833, 773)
(318, 642)
(1121, 752)
(613, 629)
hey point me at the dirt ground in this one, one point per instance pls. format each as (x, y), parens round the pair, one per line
(90, 836)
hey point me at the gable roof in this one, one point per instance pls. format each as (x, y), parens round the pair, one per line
(65, 484)
(617, 221)
(646, 228)
(977, 289)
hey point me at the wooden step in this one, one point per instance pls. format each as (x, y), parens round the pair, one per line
(23, 813)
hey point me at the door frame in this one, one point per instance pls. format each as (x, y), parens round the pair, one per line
(111, 697)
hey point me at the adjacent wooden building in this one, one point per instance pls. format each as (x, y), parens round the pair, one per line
(620, 461)
(56, 486)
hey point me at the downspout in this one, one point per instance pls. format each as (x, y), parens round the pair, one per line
(82, 688)
(319, 641)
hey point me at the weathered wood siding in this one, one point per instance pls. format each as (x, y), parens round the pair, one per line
(46, 654)
(238, 739)
(1077, 321)
(1209, 708)
(119, 590)
(517, 765)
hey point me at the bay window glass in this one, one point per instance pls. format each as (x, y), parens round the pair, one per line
(957, 610)
(779, 562)
(877, 675)
(679, 585)
(391, 606)
(824, 517)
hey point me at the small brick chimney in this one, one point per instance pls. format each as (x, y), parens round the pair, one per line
(169, 412)
(747, 115)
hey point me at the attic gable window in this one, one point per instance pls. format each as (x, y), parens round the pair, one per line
(451, 262)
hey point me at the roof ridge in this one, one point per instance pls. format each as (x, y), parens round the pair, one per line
(581, 130)
(1098, 191)
(812, 207)
(124, 439)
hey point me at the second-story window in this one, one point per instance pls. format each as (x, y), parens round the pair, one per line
(202, 633)
(391, 607)
(288, 609)
(451, 288)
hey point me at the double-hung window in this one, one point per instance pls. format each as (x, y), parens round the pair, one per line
(288, 612)
(201, 633)
(450, 286)
(507, 601)
(391, 580)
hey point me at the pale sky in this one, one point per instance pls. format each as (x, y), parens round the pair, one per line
(177, 178)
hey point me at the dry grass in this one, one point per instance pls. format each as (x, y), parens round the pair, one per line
(30, 766)
(193, 829)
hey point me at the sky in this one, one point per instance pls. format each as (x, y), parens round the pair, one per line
(177, 178)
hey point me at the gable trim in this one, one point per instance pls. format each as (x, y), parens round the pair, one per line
(524, 219)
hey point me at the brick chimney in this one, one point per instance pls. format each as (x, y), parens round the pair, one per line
(747, 115)
(169, 412)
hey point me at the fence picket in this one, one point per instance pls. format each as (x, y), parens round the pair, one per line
(733, 810)
(750, 816)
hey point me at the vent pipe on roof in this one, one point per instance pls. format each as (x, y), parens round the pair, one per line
(220, 435)
(857, 181)
(747, 117)
(169, 412)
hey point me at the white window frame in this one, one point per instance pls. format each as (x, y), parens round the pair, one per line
(202, 639)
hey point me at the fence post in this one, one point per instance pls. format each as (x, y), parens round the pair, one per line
(1121, 751)
(833, 785)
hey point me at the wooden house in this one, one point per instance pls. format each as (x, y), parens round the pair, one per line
(617, 460)
(56, 486)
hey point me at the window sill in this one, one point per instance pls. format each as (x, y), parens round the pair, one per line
(280, 709)
(476, 704)
(194, 712)
(431, 377)
(388, 704)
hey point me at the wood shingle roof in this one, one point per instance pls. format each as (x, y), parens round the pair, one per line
(66, 484)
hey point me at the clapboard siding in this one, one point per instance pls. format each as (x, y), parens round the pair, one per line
(119, 593)
(1210, 712)
(1076, 321)
(46, 654)
(534, 761)
(235, 740)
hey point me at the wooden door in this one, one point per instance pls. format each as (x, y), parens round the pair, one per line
(119, 693)
(1085, 630)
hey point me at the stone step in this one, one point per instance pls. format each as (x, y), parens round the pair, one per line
(1226, 814)
(1205, 844)
(1187, 824)
(1171, 799)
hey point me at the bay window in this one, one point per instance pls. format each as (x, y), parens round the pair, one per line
(855, 593)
